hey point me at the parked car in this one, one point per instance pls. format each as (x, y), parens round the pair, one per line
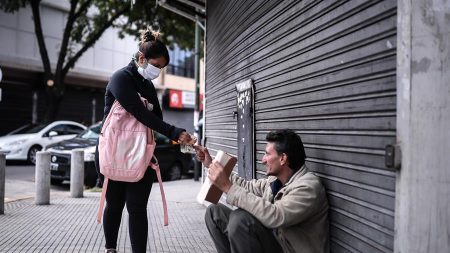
(60, 155)
(24, 142)
(173, 163)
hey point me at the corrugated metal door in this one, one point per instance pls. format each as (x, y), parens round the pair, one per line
(325, 69)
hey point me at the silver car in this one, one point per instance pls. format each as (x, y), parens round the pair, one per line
(24, 142)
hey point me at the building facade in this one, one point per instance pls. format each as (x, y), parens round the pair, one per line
(22, 89)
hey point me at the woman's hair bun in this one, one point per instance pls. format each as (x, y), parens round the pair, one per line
(149, 35)
(151, 45)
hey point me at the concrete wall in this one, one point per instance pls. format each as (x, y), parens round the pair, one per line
(19, 47)
(423, 123)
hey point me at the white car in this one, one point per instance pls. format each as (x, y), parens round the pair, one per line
(24, 142)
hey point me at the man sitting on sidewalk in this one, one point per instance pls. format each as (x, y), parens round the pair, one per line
(287, 212)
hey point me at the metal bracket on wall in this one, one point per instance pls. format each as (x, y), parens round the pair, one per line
(393, 156)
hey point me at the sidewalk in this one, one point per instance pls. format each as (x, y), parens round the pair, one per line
(69, 225)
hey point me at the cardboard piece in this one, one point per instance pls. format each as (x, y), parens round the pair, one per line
(209, 192)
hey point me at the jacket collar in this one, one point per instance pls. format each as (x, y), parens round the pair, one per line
(275, 188)
(299, 173)
(133, 69)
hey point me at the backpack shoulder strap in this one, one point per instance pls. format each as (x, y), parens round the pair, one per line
(155, 166)
(102, 201)
(106, 121)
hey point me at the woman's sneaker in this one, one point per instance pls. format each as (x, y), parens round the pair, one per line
(110, 251)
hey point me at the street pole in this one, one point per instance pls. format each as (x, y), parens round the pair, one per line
(197, 90)
(2, 182)
(42, 180)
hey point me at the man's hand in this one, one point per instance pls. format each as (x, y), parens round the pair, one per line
(217, 175)
(203, 155)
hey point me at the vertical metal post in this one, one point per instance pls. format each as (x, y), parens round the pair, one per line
(94, 110)
(35, 106)
(197, 166)
(2, 182)
(197, 67)
(77, 173)
(42, 180)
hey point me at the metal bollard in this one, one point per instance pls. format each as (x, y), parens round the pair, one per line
(197, 169)
(77, 173)
(42, 178)
(2, 182)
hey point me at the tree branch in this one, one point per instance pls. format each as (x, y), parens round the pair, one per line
(40, 38)
(82, 8)
(93, 39)
(66, 36)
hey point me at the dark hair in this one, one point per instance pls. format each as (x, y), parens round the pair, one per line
(288, 142)
(151, 46)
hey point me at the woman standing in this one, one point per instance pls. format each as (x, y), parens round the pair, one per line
(124, 86)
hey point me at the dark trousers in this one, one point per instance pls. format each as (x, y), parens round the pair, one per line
(135, 196)
(239, 231)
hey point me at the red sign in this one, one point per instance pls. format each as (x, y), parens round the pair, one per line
(201, 102)
(175, 99)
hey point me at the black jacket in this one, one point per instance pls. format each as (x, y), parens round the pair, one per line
(125, 84)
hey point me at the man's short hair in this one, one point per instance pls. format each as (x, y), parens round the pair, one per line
(288, 142)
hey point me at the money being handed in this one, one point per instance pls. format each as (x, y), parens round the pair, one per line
(189, 148)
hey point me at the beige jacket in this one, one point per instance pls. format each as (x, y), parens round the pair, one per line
(299, 214)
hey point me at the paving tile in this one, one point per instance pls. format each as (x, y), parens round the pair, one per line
(69, 224)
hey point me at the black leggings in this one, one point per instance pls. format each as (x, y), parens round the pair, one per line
(135, 195)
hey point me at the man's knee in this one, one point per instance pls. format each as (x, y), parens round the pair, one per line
(212, 215)
(209, 214)
(216, 216)
(241, 220)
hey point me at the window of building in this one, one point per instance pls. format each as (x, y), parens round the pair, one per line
(181, 62)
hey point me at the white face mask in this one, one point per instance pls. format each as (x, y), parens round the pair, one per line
(149, 71)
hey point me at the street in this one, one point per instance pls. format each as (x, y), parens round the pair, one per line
(20, 182)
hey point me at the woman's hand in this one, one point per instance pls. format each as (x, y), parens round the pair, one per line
(203, 155)
(186, 139)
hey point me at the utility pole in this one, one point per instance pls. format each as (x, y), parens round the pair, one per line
(197, 90)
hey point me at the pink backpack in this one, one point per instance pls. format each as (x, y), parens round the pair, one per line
(125, 149)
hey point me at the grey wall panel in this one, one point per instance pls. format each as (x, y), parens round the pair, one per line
(290, 48)
(345, 235)
(327, 70)
(353, 155)
(379, 216)
(339, 138)
(379, 234)
(342, 76)
(356, 121)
